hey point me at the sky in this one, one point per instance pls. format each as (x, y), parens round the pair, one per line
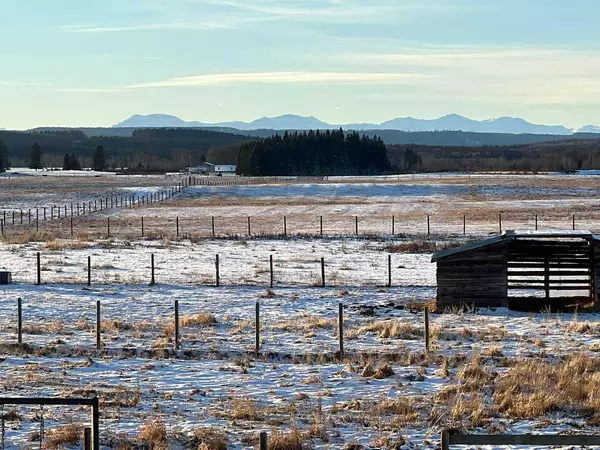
(97, 62)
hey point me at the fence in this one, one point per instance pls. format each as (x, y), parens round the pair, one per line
(91, 435)
(520, 439)
(317, 272)
(158, 226)
(177, 339)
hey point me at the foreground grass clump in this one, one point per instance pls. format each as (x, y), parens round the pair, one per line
(154, 435)
(69, 435)
(388, 329)
(288, 440)
(210, 439)
(532, 389)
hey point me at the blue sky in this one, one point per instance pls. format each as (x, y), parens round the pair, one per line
(94, 63)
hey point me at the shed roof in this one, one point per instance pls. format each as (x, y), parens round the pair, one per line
(511, 235)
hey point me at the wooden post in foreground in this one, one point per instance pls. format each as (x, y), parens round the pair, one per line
(263, 441)
(445, 444)
(89, 271)
(271, 270)
(217, 274)
(428, 225)
(98, 326)
(500, 222)
(389, 271)
(322, 272)
(87, 439)
(19, 321)
(176, 324)
(426, 320)
(39, 269)
(152, 280)
(257, 328)
(341, 329)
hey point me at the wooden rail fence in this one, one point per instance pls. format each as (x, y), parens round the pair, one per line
(449, 439)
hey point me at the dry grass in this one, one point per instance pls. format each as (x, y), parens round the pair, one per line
(154, 434)
(202, 319)
(420, 246)
(388, 329)
(533, 388)
(68, 435)
(210, 439)
(57, 245)
(245, 409)
(306, 322)
(288, 440)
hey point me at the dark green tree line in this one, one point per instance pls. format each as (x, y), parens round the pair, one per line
(314, 153)
(3, 158)
(99, 159)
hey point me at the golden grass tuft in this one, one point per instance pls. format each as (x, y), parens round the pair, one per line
(533, 388)
(387, 329)
(290, 440)
(68, 435)
(154, 434)
(210, 438)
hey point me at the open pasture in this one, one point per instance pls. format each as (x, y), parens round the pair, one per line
(490, 371)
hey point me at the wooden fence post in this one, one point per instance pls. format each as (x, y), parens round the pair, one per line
(257, 328)
(98, 326)
(19, 321)
(322, 272)
(263, 441)
(356, 225)
(39, 269)
(500, 222)
(428, 225)
(321, 225)
(213, 226)
(152, 280)
(573, 221)
(271, 270)
(108, 226)
(177, 225)
(426, 321)
(341, 329)
(176, 324)
(464, 224)
(536, 222)
(445, 444)
(89, 271)
(87, 438)
(71, 226)
(217, 274)
(249, 229)
(142, 226)
(393, 225)
(389, 270)
(284, 225)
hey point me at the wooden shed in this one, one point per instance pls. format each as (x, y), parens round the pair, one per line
(522, 270)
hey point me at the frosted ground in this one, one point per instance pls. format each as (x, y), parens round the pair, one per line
(488, 371)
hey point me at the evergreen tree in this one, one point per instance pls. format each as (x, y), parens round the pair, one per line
(3, 158)
(75, 164)
(99, 159)
(67, 162)
(35, 159)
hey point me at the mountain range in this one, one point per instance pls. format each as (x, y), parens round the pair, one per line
(450, 122)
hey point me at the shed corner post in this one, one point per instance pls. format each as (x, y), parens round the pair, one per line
(445, 441)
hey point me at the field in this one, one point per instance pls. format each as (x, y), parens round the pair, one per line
(494, 371)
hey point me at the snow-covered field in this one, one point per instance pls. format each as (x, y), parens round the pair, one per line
(488, 371)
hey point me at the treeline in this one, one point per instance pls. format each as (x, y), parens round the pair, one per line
(314, 153)
(150, 149)
(555, 156)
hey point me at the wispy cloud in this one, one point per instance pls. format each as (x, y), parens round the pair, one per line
(145, 27)
(280, 78)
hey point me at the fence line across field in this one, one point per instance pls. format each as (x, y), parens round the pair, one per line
(258, 341)
(386, 277)
(155, 226)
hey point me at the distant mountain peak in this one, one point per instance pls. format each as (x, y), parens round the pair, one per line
(449, 122)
